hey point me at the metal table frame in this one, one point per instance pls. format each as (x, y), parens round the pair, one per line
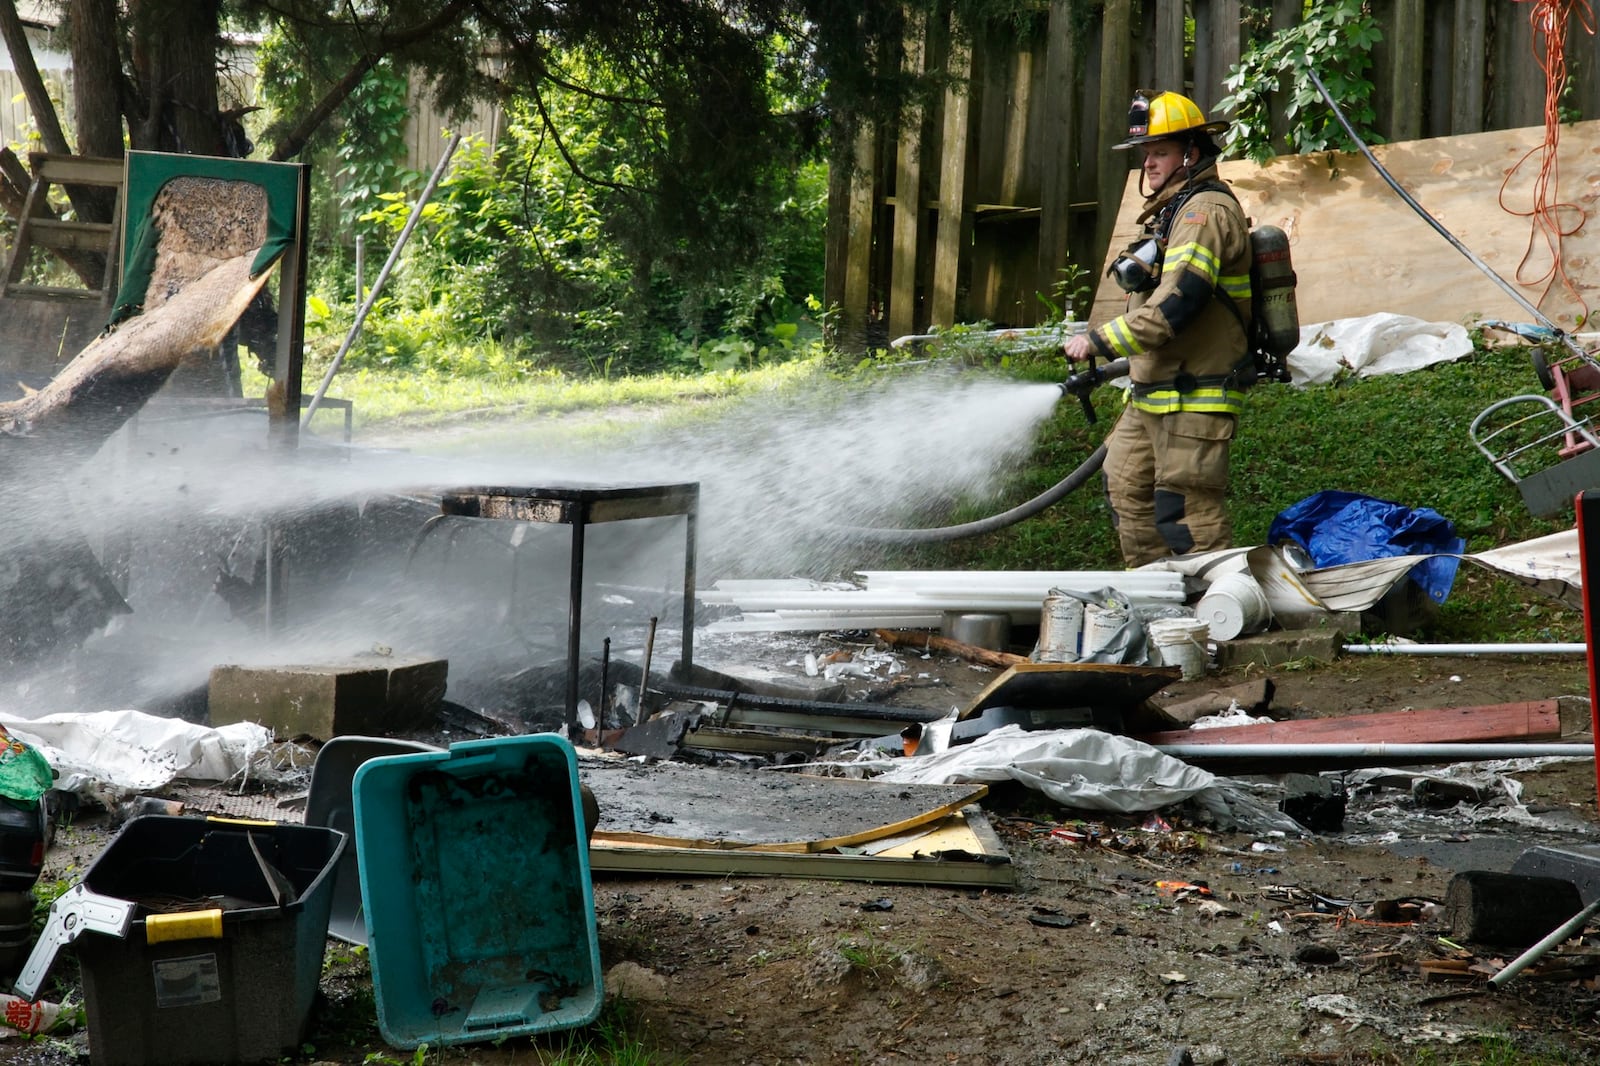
(580, 506)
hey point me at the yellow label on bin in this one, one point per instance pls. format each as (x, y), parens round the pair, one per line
(241, 821)
(191, 925)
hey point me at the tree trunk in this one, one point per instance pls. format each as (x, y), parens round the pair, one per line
(175, 63)
(97, 86)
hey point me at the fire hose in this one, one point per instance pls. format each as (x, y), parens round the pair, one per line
(1081, 385)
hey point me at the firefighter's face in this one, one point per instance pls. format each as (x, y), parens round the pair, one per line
(1162, 159)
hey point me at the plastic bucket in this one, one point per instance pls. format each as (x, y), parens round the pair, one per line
(1234, 606)
(1100, 627)
(1180, 642)
(1060, 628)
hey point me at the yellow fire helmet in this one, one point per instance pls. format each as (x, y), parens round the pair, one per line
(1165, 116)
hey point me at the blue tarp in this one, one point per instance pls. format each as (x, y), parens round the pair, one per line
(1345, 527)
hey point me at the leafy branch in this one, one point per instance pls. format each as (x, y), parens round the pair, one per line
(1335, 39)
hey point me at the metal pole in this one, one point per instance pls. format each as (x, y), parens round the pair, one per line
(1371, 754)
(1466, 649)
(383, 276)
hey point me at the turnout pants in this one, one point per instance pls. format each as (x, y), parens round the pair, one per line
(1166, 479)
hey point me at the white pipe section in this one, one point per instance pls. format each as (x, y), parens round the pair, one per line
(1076, 580)
(824, 600)
(1467, 649)
(1464, 752)
(1538, 951)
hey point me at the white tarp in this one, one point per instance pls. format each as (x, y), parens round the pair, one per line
(107, 754)
(1382, 343)
(1090, 770)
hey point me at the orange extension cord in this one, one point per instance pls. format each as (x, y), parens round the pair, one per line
(1550, 20)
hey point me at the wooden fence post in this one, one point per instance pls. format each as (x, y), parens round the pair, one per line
(1055, 153)
(1467, 75)
(908, 191)
(1116, 52)
(952, 225)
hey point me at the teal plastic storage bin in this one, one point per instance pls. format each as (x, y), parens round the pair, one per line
(475, 883)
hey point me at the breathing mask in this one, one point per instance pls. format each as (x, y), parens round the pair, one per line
(1138, 268)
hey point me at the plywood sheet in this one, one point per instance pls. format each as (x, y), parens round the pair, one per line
(960, 850)
(1359, 249)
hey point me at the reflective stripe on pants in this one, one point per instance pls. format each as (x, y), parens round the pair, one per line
(1167, 482)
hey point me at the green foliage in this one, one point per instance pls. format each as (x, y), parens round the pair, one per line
(520, 249)
(371, 150)
(1334, 39)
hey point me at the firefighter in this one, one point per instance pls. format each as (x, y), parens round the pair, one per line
(1184, 335)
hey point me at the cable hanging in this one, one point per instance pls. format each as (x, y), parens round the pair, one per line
(1552, 220)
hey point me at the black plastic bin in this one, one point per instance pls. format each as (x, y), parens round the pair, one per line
(221, 962)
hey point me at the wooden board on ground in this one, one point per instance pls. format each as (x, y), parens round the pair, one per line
(1057, 686)
(958, 850)
(1359, 249)
(762, 810)
(1533, 720)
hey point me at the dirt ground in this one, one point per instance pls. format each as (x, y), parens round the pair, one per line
(1297, 951)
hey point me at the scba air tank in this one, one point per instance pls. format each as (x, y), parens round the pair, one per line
(1277, 319)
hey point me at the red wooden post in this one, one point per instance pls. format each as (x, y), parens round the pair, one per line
(1588, 509)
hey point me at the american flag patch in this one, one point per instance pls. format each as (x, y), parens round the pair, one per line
(1194, 218)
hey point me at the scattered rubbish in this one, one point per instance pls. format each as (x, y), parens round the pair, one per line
(1183, 889)
(19, 1016)
(108, 755)
(1054, 919)
(1254, 698)
(1317, 955)
(882, 903)
(1092, 770)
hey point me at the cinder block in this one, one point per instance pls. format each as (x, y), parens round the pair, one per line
(319, 701)
(416, 689)
(1279, 646)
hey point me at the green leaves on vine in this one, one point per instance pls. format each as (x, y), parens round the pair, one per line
(1335, 39)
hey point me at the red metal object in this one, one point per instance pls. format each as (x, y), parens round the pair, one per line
(1587, 506)
(1575, 382)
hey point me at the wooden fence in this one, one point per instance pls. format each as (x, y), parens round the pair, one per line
(970, 210)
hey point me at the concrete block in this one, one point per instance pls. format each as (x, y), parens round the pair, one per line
(376, 695)
(1508, 910)
(292, 701)
(416, 690)
(1278, 646)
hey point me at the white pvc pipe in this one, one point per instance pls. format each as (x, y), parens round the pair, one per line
(1467, 649)
(1376, 754)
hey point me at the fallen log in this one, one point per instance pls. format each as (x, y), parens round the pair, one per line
(930, 641)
